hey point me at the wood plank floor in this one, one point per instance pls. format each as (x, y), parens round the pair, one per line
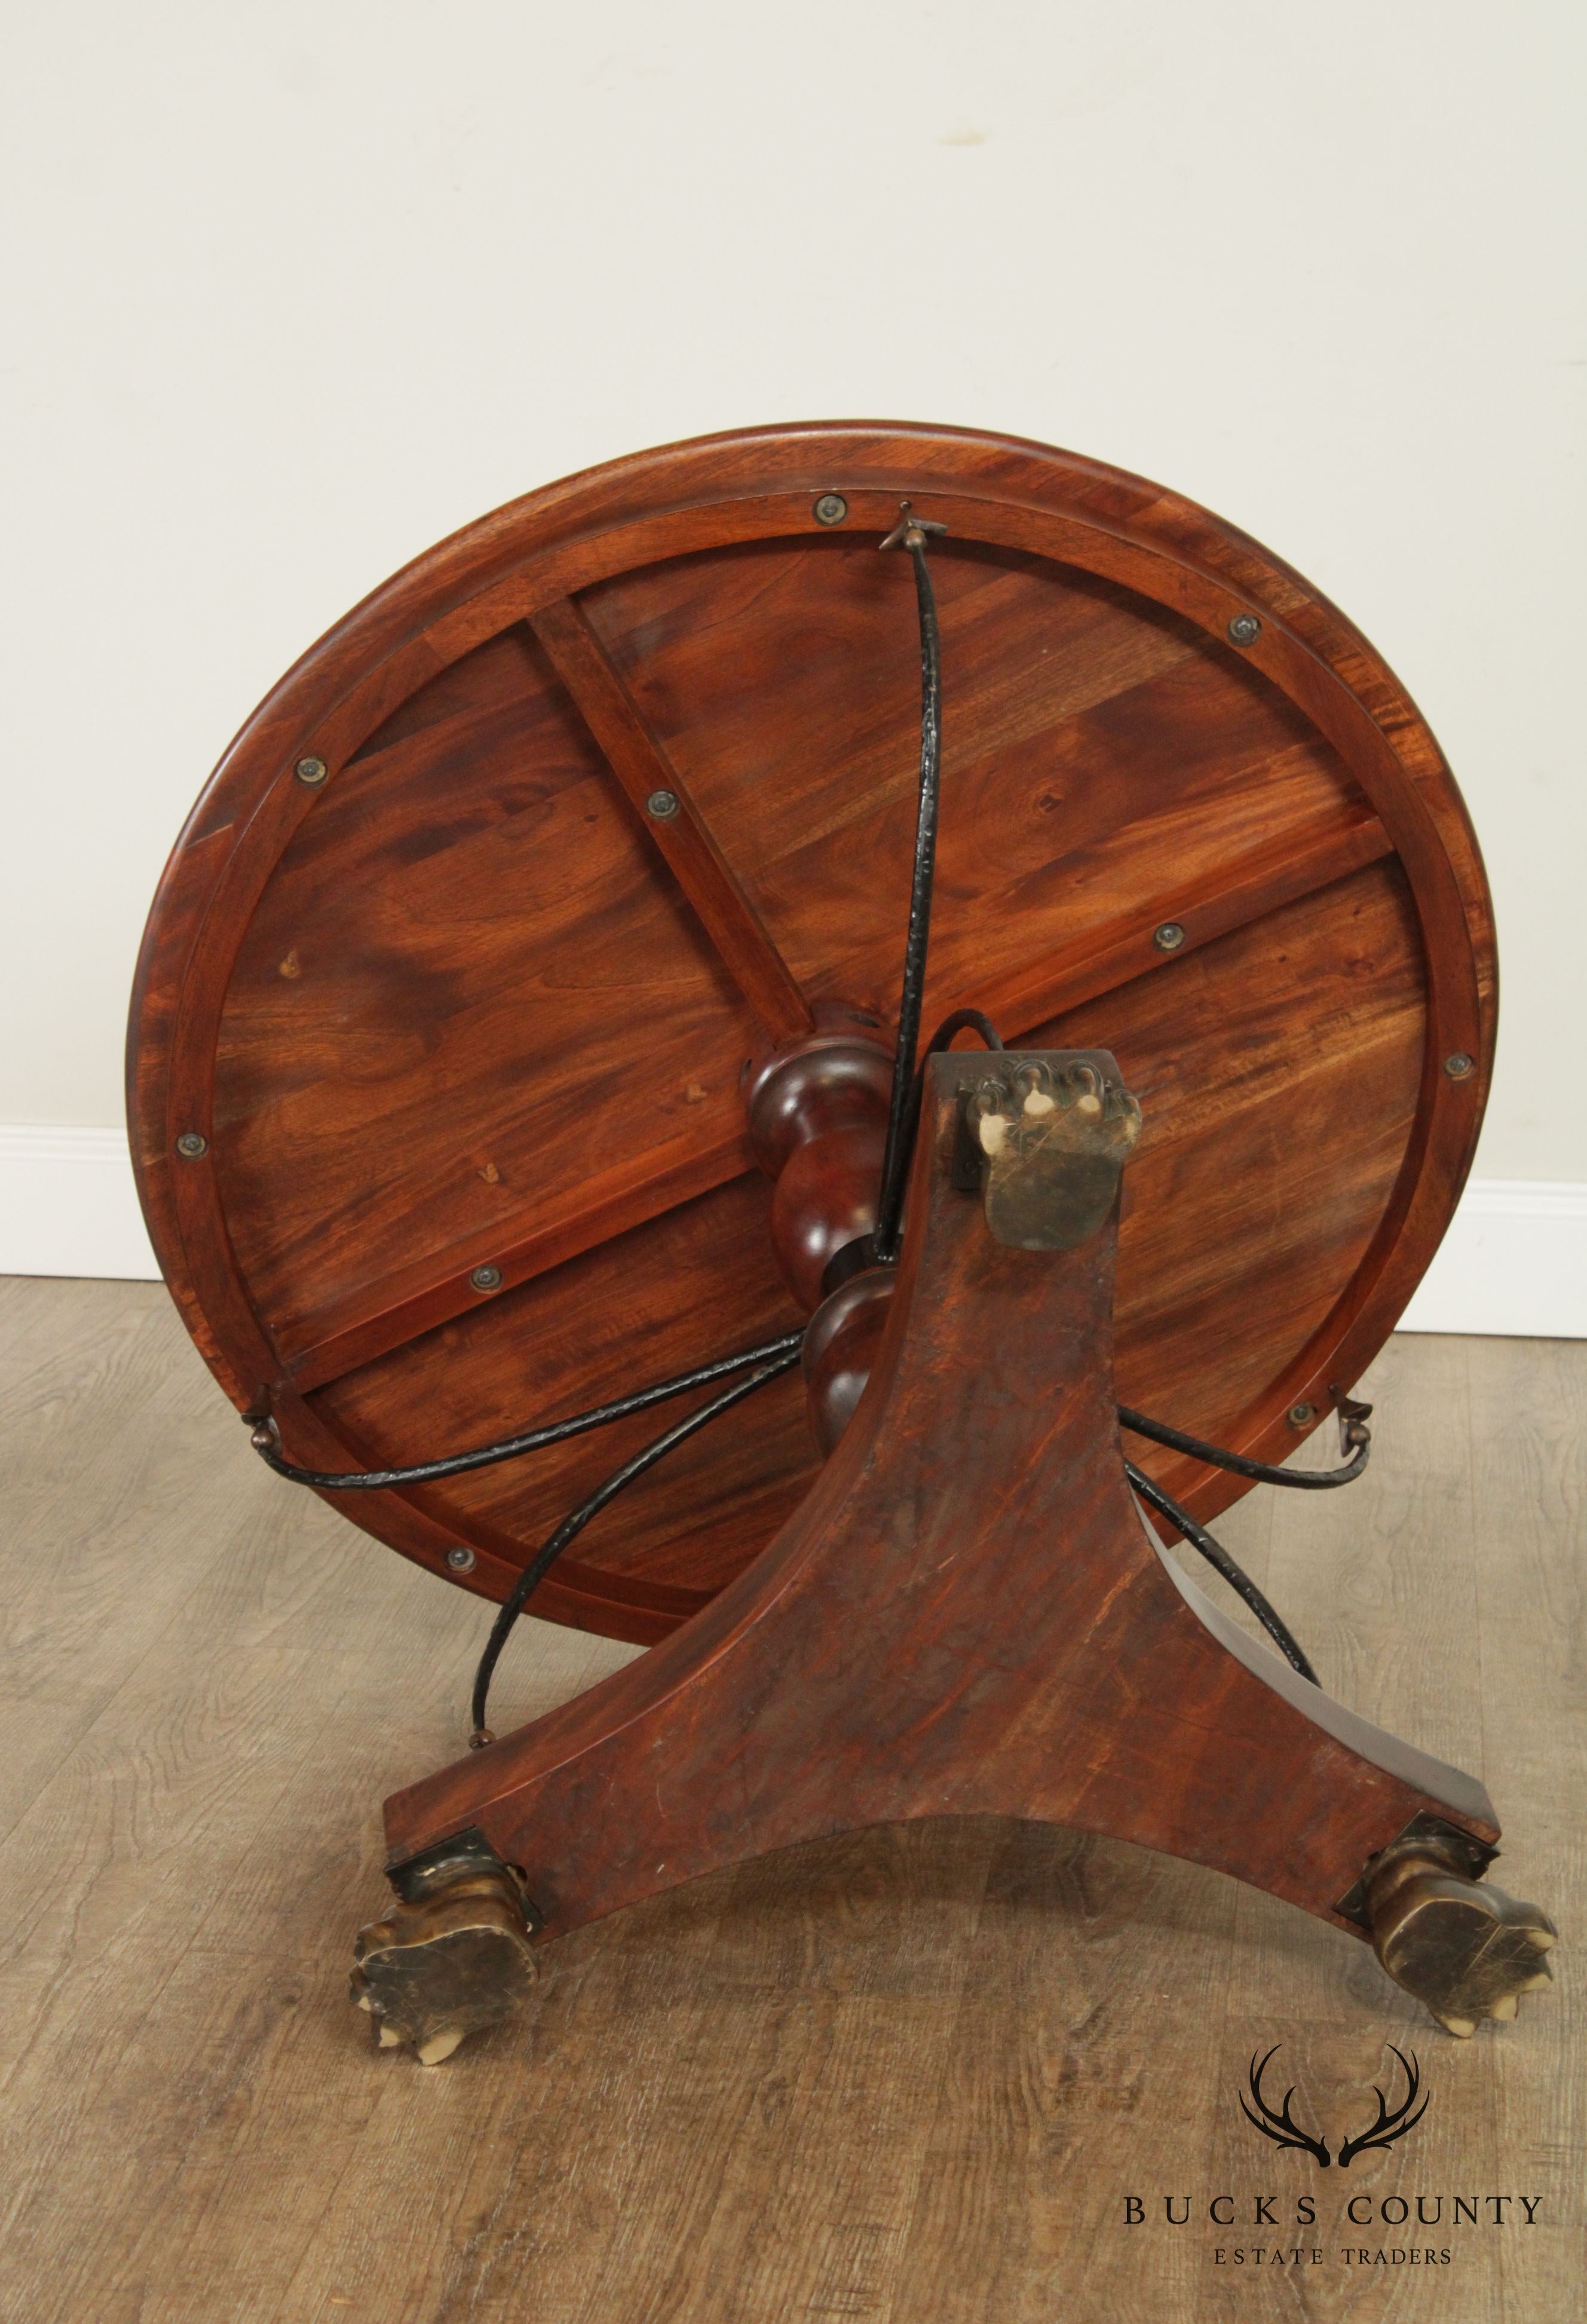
(910, 2074)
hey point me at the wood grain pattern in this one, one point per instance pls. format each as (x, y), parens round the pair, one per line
(1281, 1238)
(402, 1008)
(892, 2075)
(1229, 896)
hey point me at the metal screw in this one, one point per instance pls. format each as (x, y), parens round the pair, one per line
(662, 804)
(831, 509)
(486, 1279)
(1170, 937)
(460, 1560)
(1301, 1415)
(192, 1144)
(1244, 630)
(1458, 1066)
(312, 772)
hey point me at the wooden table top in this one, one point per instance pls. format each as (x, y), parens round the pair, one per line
(439, 1026)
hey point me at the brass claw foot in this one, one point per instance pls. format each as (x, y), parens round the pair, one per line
(1046, 1147)
(454, 1954)
(1465, 1949)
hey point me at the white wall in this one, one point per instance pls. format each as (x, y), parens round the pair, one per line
(300, 288)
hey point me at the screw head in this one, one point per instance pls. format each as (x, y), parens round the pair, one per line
(1460, 1066)
(662, 804)
(192, 1144)
(486, 1279)
(312, 772)
(1301, 1415)
(831, 509)
(460, 1560)
(1244, 630)
(1170, 937)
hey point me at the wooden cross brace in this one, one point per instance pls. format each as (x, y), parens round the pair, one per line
(968, 1616)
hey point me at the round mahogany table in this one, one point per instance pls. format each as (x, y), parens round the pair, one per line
(450, 985)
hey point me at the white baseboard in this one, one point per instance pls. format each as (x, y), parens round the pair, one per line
(68, 1204)
(1514, 1262)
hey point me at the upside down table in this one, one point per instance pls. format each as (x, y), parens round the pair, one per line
(528, 1035)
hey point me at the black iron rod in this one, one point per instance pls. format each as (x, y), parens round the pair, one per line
(574, 1524)
(962, 1020)
(508, 1448)
(1305, 1480)
(1217, 1556)
(900, 1127)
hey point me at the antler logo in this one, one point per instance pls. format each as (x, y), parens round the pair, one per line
(1392, 2123)
(1279, 2127)
(1390, 2126)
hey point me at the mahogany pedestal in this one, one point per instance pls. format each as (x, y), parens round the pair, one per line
(968, 1616)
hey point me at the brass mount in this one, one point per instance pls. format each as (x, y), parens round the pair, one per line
(1462, 1947)
(453, 1957)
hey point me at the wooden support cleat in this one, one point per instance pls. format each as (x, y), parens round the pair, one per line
(1467, 1950)
(454, 1955)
